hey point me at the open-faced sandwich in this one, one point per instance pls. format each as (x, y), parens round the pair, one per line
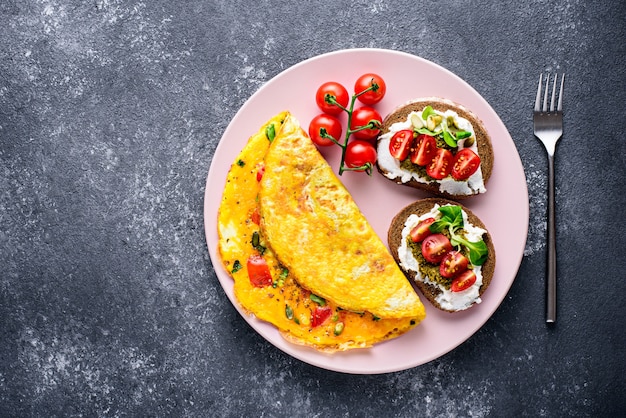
(302, 255)
(446, 250)
(438, 146)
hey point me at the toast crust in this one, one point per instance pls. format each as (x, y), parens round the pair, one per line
(483, 141)
(420, 207)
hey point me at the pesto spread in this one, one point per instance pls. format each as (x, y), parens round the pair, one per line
(431, 270)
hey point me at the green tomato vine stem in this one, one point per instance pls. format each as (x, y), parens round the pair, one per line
(330, 99)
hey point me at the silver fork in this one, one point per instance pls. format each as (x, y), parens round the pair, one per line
(548, 126)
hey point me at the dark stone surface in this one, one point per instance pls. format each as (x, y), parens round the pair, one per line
(110, 112)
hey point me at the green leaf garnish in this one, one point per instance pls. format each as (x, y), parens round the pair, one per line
(450, 140)
(452, 219)
(477, 250)
(463, 135)
(428, 110)
(427, 131)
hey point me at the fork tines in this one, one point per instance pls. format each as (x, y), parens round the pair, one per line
(544, 108)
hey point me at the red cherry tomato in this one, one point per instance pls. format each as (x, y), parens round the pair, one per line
(363, 116)
(359, 153)
(440, 165)
(258, 271)
(465, 164)
(330, 124)
(371, 96)
(320, 315)
(400, 144)
(329, 91)
(435, 247)
(425, 150)
(452, 264)
(464, 281)
(421, 230)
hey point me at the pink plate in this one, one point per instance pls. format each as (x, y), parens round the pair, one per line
(504, 208)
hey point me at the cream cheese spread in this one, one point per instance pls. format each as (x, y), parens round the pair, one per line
(453, 301)
(392, 169)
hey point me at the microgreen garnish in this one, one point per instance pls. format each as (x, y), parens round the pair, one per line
(428, 110)
(450, 140)
(452, 219)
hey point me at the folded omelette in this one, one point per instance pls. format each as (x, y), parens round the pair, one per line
(301, 254)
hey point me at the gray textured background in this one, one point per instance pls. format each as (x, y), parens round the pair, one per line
(110, 112)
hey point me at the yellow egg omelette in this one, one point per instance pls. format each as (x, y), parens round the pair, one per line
(291, 267)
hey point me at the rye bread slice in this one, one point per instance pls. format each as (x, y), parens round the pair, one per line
(483, 141)
(394, 239)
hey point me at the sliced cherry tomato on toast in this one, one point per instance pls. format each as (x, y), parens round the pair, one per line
(258, 271)
(332, 90)
(465, 164)
(320, 315)
(464, 281)
(425, 150)
(330, 124)
(373, 96)
(400, 144)
(453, 264)
(441, 164)
(421, 230)
(435, 247)
(363, 116)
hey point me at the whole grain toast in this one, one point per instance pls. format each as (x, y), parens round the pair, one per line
(394, 238)
(483, 141)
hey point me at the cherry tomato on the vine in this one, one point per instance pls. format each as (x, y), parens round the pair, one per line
(330, 124)
(371, 96)
(359, 153)
(332, 90)
(363, 116)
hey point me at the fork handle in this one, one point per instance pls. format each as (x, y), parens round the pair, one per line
(551, 284)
